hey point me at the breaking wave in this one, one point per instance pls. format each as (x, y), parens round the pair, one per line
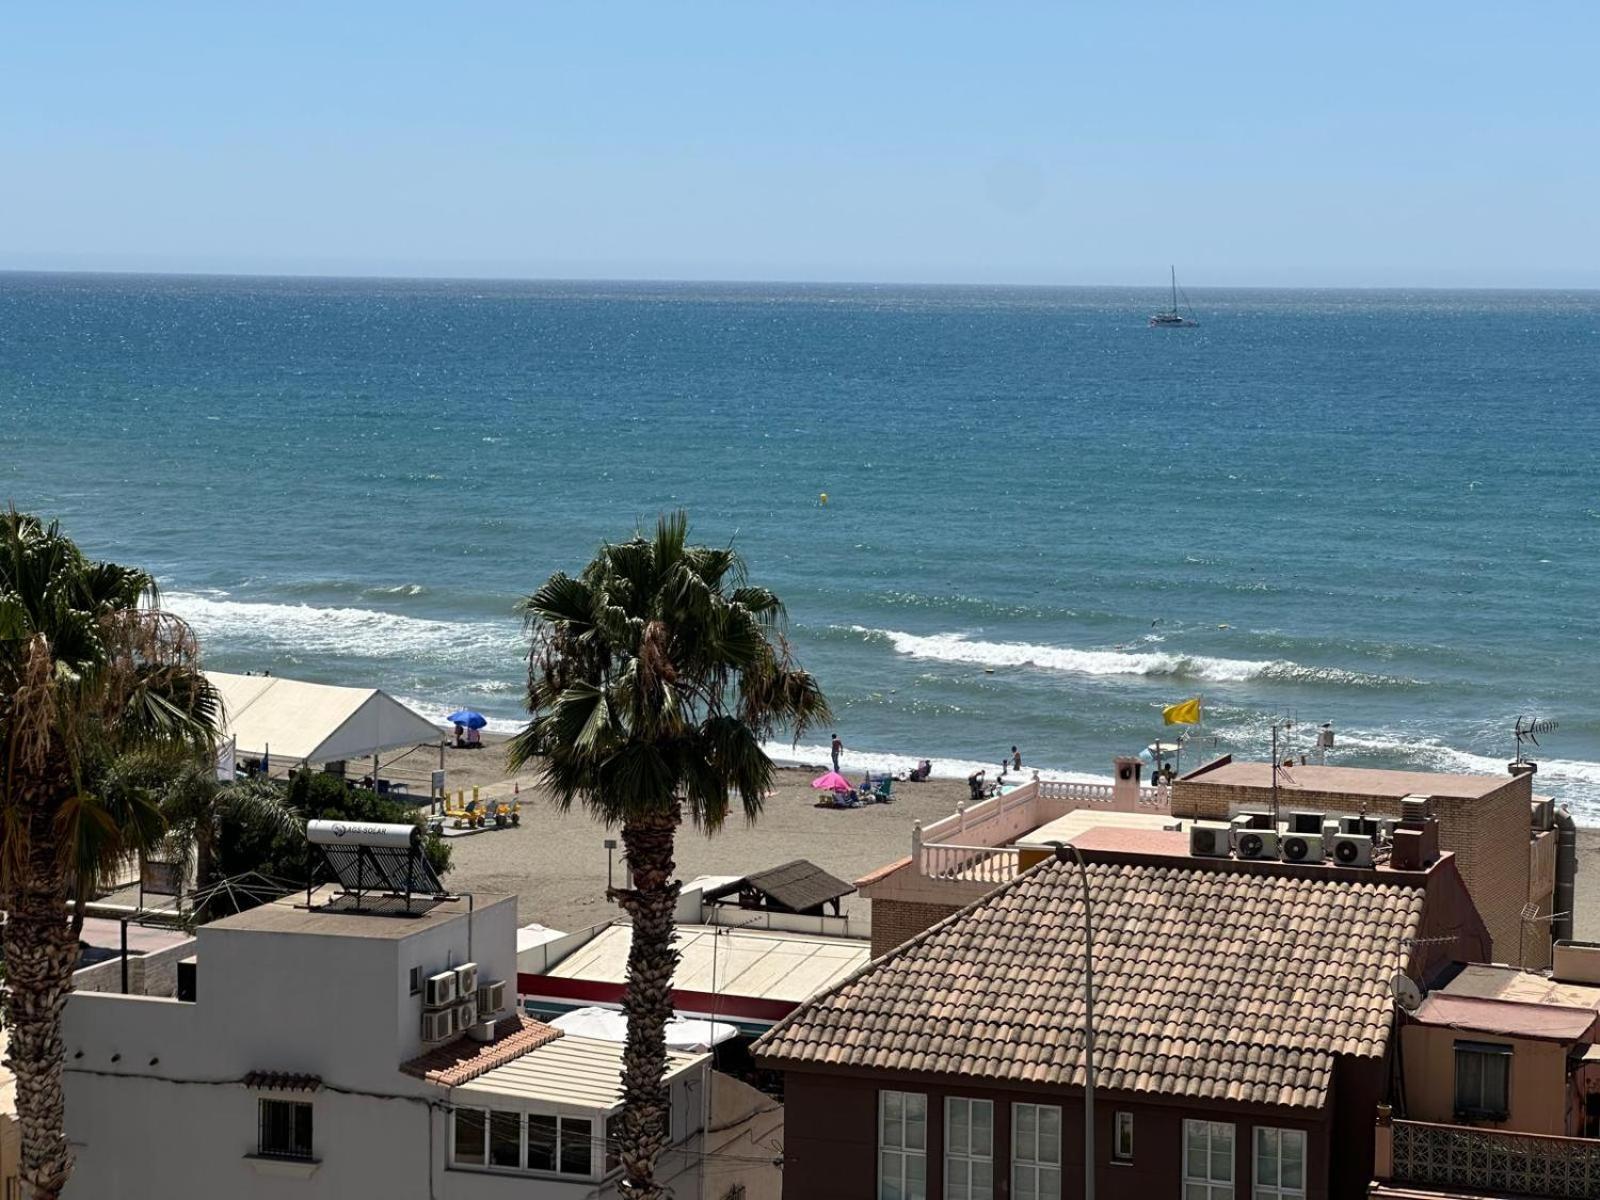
(957, 647)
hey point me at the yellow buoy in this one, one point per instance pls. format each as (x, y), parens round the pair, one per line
(822, 499)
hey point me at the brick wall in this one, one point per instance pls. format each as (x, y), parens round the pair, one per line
(1489, 835)
(896, 921)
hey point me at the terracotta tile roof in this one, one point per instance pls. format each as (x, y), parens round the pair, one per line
(458, 1061)
(282, 1081)
(884, 871)
(1209, 984)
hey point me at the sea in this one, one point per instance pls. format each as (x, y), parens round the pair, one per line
(1044, 521)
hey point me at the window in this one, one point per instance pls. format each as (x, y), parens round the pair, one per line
(1207, 1160)
(560, 1145)
(1035, 1152)
(1122, 1138)
(577, 1139)
(471, 1128)
(416, 981)
(505, 1139)
(968, 1149)
(613, 1142)
(1280, 1164)
(902, 1146)
(1483, 1071)
(285, 1130)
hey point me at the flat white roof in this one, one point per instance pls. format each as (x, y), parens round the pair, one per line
(755, 963)
(1080, 821)
(297, 721)
(583, 1072)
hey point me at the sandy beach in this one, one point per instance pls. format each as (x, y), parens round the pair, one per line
(556, 863)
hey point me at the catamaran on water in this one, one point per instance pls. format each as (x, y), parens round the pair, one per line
(1171, 318)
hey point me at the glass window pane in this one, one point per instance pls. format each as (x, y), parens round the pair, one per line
(1292, 1171)
(1221, 1162)
(916, 1122)
(982, 1130)
(893, 1106)
(982, 1180)
(613, 1141)
(505, 1139)
(1194, 1133)
(1025, 1132)
(916, 1106)
(1049, 1134)
(916, 1175)
(889, 1177)
(957, 1132)
(1196, 1191)
(1049, 1183)
(470, 1128)
(576, 1136)
(541, 1142)
(894, 1134)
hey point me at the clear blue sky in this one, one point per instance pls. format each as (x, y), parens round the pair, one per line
(1282, 143)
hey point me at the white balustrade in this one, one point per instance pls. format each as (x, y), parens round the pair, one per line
(969, 864)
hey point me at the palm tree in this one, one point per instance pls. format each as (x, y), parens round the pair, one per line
(653, 679)
(90, 672)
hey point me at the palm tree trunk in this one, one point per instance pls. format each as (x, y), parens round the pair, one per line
(647, 998)
(41, 953)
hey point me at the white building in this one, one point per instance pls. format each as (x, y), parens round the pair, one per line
(299, 1068)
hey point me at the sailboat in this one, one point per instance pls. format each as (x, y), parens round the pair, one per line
(1171, 318)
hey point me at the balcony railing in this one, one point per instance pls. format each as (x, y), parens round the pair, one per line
(969, 864)
(1495, 1161)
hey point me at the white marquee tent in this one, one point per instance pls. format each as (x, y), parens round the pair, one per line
(314, 722)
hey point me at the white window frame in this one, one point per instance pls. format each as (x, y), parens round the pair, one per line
(1275, 1189)
(1204, 1187)
(597, 1121)
(1028, 1164)
(904, 1152)
(964, 1160)
(1122, 1120)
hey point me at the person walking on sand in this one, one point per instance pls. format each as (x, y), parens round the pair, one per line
(1016, 759)
(838, 749)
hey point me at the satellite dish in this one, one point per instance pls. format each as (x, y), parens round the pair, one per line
(1406, 993)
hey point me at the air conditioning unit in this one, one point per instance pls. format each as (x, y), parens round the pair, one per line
(440, 990)
(1251, 818)
(466, 979)
(1413, 808)
(466, 1014)
(1209, 840)
(1256, 843)
(1307, 822)
(491, 998)
(1366, 826)
(1351, 850)
(438, 1025)
(1300, 847)
(1543, 813)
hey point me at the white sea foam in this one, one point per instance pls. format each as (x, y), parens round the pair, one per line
(854, 762)
(308, 629)
(958, 647)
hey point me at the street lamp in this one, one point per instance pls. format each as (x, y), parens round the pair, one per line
(1066, 852)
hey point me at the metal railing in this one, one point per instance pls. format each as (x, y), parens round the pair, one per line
(969, 864)
(1493, 1160)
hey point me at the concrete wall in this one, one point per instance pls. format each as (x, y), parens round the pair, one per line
(1537, 1079)
(744, 1141)
(831, 1122)
(148, 974)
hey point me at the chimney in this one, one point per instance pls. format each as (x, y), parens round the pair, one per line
(1522, 767)
(1125, 784)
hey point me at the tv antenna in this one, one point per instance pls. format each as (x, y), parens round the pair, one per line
(1282, 725)
(1527, 731)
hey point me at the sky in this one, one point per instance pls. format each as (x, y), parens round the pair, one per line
(1413, 144)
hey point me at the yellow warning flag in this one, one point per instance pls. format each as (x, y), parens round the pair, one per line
(1186, 712)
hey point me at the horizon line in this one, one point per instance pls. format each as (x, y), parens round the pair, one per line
(378, 277)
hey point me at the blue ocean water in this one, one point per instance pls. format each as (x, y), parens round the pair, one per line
(1045, 520)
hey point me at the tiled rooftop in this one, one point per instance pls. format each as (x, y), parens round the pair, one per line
(463, 1059)
(1208, 984)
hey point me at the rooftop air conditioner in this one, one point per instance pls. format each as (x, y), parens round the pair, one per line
(1256, 843)
(1300, 847)
(491, 998)
(466, 1014)
(466, 979)
(1366, 826)
(1251, 818)
(438, 1025)
(1351, 850)
(440, 991)
(1209, 840)
(1307, 822)
(1413, 808)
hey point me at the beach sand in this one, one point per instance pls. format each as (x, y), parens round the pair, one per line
(555, 864)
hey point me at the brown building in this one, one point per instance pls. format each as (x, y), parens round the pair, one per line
(1504, 842)
(1242, 1019)
(1499, 1087)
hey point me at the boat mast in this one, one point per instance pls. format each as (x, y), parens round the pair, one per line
(1174, 271)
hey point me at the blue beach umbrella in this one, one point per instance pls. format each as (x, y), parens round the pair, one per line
(472, 720)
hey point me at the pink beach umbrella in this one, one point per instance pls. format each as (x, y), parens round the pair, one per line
(831, 782)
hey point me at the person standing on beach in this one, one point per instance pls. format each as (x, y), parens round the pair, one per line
(1016, 759)
(838, 748)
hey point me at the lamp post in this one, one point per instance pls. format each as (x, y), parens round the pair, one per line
(1066, 852)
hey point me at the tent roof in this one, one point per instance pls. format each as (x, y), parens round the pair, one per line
(315, 722)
